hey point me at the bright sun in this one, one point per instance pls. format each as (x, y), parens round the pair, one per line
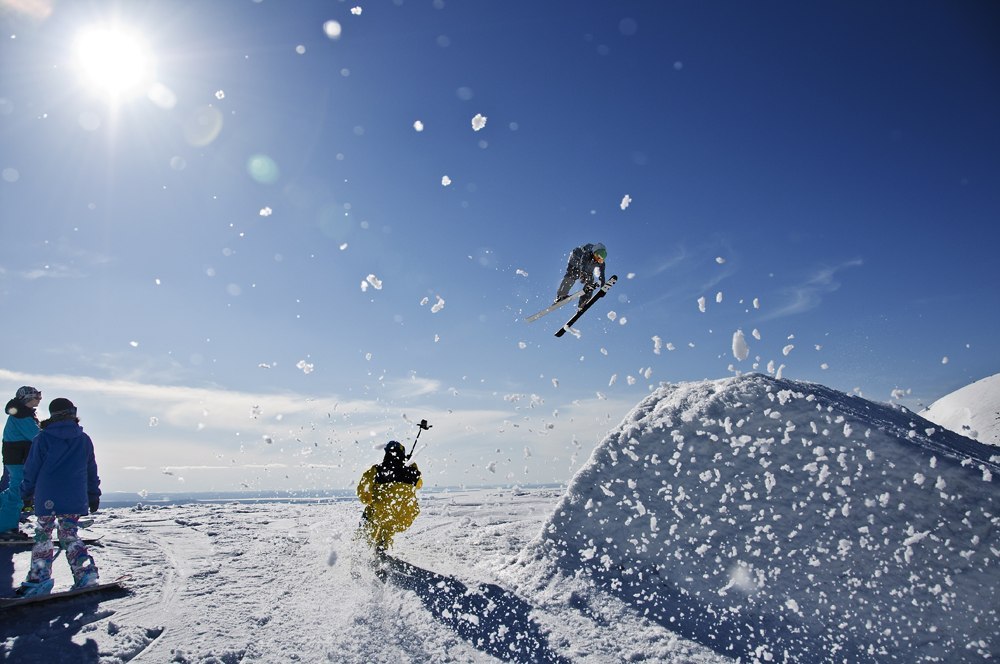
(113, 61)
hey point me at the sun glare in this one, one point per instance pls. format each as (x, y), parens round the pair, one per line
(113, 61)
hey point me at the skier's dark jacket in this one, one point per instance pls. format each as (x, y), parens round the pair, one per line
(18, 432)
(581, 264)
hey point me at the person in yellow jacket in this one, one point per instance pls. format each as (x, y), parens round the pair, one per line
(388, 491)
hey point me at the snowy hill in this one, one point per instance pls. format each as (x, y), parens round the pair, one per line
(972, 411)
(773, 520)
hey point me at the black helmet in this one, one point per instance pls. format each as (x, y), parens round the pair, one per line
(395, 448)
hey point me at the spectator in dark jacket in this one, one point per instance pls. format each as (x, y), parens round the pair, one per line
(60, 479)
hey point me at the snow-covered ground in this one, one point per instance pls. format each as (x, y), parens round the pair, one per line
(972, 411)
(277, 582)
(749, 518)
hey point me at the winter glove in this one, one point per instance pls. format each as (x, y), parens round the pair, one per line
(95, 503)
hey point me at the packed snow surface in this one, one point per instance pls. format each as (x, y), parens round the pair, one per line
(751, 519)
(972, 411)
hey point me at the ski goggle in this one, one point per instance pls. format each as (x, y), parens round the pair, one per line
(600, 255)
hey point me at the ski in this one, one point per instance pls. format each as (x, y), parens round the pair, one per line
(13, 602)
(552, 307)
(582, 310)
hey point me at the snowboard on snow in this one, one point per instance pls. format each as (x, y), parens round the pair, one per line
(555, 305)
(101, 588)
(582, 310)
(55, 542)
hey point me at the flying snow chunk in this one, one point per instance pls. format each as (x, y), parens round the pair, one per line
(720, 260)
(305, 367)
(626, 201)
(701, 304)
(438, 306)
(154, 421)
(266, 212)
(657, 345)
(787, 349)
(418, 125)
(356, 11)
(374, 281)
(740, 349)
(220, 94)
(478, 122)
(944, 360)
(133, 344)
(332, 29)
(521, 273)
(445, 181)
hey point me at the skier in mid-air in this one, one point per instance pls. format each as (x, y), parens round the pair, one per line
(388, 491)
(583, 263)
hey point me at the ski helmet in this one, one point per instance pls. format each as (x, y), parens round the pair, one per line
(600, 250)
(395, 447)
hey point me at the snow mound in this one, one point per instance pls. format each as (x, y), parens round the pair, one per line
(775, 520)
(972, 411)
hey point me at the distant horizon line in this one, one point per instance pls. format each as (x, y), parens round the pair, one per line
(118, 498)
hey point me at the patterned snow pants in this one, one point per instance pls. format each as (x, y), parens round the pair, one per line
(43, 553)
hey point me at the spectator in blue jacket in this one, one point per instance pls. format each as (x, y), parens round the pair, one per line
(60, 479)
(20, 429)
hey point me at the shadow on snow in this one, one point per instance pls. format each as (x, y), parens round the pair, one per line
(44, 632)
(490, 618)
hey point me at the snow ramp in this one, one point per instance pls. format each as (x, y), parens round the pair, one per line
(775, 520)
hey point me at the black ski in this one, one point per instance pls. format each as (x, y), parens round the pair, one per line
(582, 310)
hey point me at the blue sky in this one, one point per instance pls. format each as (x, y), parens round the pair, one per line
(184, 256)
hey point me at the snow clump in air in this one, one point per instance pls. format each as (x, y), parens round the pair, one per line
(304, 367)
(418, 125)
(373, 281)
(356, 11)
(445, 181)
(626, 201)
(478, 122)
(740, 349)
(438, 306)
